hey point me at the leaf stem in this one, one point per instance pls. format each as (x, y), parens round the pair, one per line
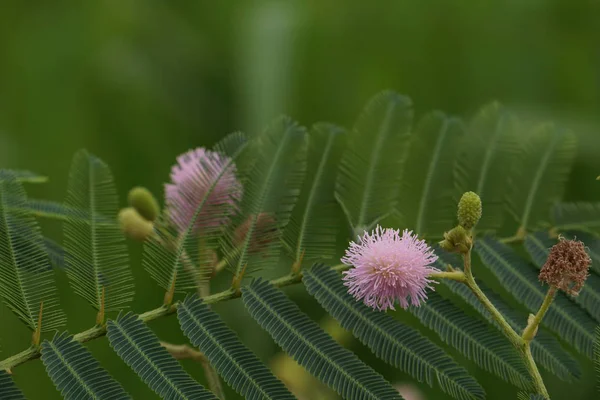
(98, 331)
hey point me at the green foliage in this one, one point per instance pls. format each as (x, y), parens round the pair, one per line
(546, 350)
(311, 232)
(167, 254)
(597, 355)
(577, 215)
(565, 318)
(592, 246)
(490, 350)
(486, 153)
(8, 389)
(96, 255)
(525, 396)
(538, 245)
(240, 368)
(75, 373)
(25, 275)
(22, 176)
(271, 187)
(371, 168)
(135, 343)
(393, 342)
(311, 347)
(426, 199)
(541, 174)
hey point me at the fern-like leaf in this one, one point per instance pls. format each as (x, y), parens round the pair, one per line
(489, 349)
(55, 252)
(538, 246)
(370, 170)
(180, 263)
(525, 396)
(75, 373)
(272, 186)
(59, 211)
(489, 146)
(545, 349)
(240, 368)
(577, 216)
(96, 254)
(26, 278)
(8, 389)
(311, 233)
(597, 356)
(520, 278)
(540, 178)
(22, 176)
(311, 347)
(399, 345)
(135, 343)
(426, 199)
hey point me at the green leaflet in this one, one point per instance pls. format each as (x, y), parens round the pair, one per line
(520, 278)
(542, 173)
(240, 368)
(487, 151)
(8, 389)
(489, 349)
(135, 343)
(577, 216)
(371, 168)
(271, 188)
(22, 176)
(538, 246)
(54, 210)
(96, 255)
(525, 396)
(546, 350)
(397, 344)
(179, 261)
(75, 373)
(426, 198)
(597, 355)
(311, 347)
(311, 232)
(26, 279)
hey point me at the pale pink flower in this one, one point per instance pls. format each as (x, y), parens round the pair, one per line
(194, 174)
(389, 267)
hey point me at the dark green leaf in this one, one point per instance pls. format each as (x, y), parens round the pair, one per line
(240, 368)
(399, 345)
(75, 373)
(577, 216)
(311, 347)
(135, 343)
(8, 389)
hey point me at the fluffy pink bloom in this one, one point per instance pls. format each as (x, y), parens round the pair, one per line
(194, 174)
(389, 267)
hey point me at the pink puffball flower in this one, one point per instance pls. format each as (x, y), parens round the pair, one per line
(195, 173)
(389, 267)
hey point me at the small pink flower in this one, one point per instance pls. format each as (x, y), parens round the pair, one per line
(194, 175)
(389, 267)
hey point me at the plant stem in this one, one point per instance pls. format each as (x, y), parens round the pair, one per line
(519, 342)
(453, 275)
(530, 330)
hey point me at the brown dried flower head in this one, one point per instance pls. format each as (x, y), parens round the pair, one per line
(567, 266)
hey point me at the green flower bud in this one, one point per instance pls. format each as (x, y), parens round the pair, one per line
(144, 202)
(134, 225)
(457, 240)
(469, 210)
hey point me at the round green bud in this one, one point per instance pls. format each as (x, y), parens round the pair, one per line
(469, 210)
(134, 225)
(144, 202)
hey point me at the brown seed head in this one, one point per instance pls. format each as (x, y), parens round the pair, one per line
(567, 266)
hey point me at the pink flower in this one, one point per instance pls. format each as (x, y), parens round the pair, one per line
(389, 267)
(194, 175)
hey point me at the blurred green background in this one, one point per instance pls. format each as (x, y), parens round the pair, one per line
(139, 82)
